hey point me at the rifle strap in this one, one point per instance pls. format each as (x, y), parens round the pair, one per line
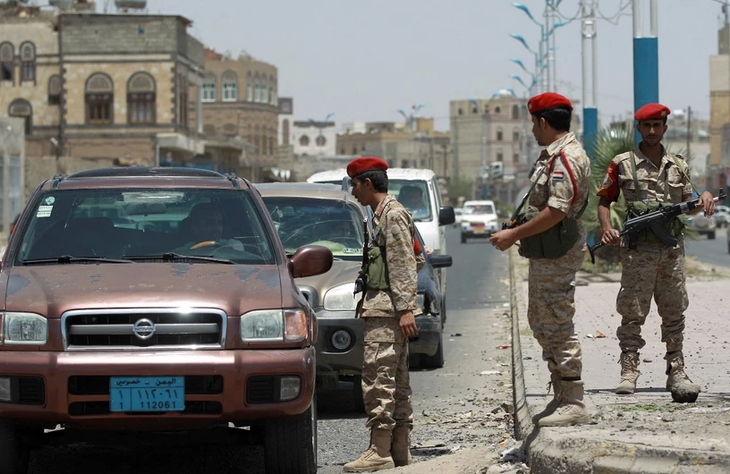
(684, 173)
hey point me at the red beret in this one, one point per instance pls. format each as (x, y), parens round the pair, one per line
(652, 112)
(365, 163)
(548, 100)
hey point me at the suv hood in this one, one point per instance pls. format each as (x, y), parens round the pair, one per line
(50, 290)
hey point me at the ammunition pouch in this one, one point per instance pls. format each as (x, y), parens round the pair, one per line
(552, 243)
(376, 270)
(671, 227)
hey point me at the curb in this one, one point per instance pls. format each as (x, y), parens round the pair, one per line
(568, 451)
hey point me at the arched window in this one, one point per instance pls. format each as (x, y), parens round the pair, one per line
(497, 110)
(354, 150)
(500, 135)
(500, 156)
(285, 132)
(27, 62)
(342, 150)
(474, 110)
(54, 90)
(229, 80)
(7, 56)
(515, 112)
(321, 140)
(209, 87)
(22, 108)
(249, 88)
(515, 157)
(256, 89)
(264, 91)
(141, 99)
(304, 140)
(461, 112)
(99, 99)
(516, 135)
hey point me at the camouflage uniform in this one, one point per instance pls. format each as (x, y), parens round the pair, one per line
(551, 304)
(653, 268)
(385, 379)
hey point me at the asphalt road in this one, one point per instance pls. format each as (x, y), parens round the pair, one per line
(456, 407)
(710, 251)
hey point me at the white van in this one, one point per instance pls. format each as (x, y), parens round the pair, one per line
(479, 220)
(406, 184)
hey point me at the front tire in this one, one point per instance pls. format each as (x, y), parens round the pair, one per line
(14, 453)
(435, 361)
(290, 444)
(463, 239)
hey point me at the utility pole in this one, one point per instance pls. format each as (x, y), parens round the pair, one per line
(689, 129)
(646, 59)
(590, 75)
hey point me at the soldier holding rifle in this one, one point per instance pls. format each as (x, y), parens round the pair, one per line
(650, 179)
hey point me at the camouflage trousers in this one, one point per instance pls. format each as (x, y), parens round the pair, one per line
(656, 270)
(386, 384)
(551, 307)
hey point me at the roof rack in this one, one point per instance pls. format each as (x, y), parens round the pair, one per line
(233, 178)
(144, 171)
(57, 179)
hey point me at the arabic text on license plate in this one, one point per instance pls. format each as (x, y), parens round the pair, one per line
(130, 394)
(479, 230)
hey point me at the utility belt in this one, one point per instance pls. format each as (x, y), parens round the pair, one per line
(552, 243)
(672, 227)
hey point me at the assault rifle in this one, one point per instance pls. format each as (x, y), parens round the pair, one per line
(653, 220)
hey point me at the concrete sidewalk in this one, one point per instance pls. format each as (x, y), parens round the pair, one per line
(642, 433)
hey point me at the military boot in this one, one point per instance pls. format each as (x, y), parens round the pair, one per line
(571, 410)
(682, 388)
(401, 447)
(553, 404)
(629, 372)
(377, 457)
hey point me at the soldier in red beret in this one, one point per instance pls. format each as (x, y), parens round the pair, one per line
(558, 196)
(649, 177)
(388, 308)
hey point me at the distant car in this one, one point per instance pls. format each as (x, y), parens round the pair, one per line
(722, 216)
(479, 220)
(702, 225)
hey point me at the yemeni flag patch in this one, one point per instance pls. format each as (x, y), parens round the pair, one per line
(558, 175)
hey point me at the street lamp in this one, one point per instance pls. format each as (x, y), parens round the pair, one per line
(538, 59)
(546, 57)
(411, 118)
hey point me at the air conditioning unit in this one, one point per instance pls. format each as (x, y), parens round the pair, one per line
(130, 4)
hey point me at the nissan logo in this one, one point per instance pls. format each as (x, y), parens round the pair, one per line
(144, 329)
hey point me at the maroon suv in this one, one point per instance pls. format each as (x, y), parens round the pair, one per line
(155, 299)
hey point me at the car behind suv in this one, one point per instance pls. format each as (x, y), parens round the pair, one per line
(156, 299)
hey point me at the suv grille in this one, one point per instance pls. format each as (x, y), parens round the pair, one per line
(143, 329)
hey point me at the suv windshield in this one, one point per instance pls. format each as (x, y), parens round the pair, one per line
(332, 223)
(413, 195)
(480, 209)
(133, 223)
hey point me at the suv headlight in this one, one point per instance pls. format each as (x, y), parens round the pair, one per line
(274, 325)
(24, 328)
(342, 298)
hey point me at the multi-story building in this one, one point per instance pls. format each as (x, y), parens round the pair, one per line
(240, 98)
(419, 147)
(108, 89)
(718, 171)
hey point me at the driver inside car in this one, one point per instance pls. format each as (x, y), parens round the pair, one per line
(206, 228)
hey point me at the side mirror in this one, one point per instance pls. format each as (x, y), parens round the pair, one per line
(310, 260)
(441, 261)
(446, 215)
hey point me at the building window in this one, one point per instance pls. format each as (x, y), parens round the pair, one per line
(515, 157)
(249, 88)
(516, 136)
(500, 156)
(272, 96)
(99, 99)
(21, 108)
(474, 110)
(209, 91)
(461, 112)
(141, 99)
(7, 56)
(497, 110)
(256, 90)
(342, 150)
(354, 150)
(230, 86)
(264, 93)
(304, 140)
(271, 145)
(321, 140)
(27, 62)
(486, 108)
(515, 112)
(54, 90)
(500, 135)
(182, 101)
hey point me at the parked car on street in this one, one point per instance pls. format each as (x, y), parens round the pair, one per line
(156, 299)
(325, 214)
(702, 225)
(479, 220)
(722, 216)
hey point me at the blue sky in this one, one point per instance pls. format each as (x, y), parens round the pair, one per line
(364, 60)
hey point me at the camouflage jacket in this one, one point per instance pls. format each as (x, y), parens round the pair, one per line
(667, 183)
(393, 229)
(563, 173)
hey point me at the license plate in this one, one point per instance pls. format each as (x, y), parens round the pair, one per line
(478, 230)
(130, 394)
